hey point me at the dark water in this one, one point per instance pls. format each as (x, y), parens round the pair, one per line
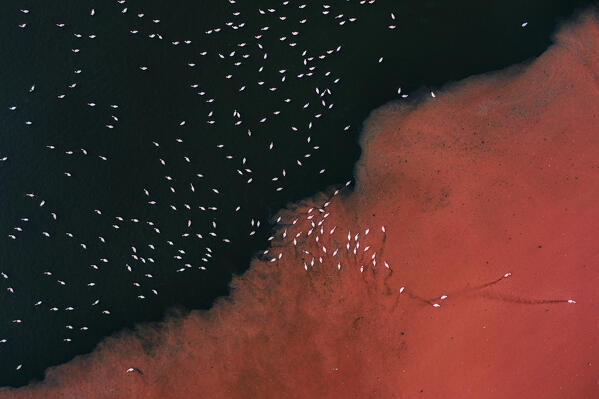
(434, 42)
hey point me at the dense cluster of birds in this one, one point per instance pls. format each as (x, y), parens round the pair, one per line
(267, 72)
